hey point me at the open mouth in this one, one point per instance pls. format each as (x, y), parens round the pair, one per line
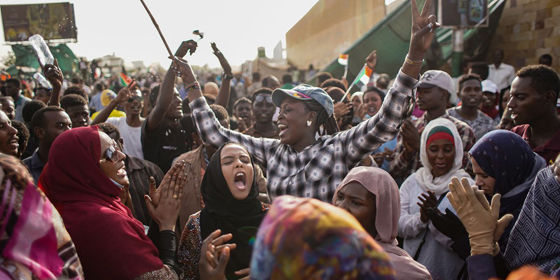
(121, 172)
(14, 142)
(282, 128)
(440, 165)
(240, 181)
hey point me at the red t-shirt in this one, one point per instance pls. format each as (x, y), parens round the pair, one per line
(548, 151)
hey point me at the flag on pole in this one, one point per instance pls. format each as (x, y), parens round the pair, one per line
(343, 59)
(124, 80)
(363, 77)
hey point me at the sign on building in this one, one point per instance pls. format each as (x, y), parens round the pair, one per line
(463, 13)
(52, 21)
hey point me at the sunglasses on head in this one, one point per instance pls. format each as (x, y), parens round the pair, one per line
(111, 154)
(261, 98)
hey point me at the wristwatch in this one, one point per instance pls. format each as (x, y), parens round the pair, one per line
(227, 76)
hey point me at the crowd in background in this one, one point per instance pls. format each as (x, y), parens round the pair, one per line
(193, 176)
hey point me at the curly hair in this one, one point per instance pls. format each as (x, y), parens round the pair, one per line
(72, 100)
(467, 77)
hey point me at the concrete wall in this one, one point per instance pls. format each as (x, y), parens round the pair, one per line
(329, 28)
(528, 29)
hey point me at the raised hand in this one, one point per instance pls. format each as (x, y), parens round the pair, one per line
(411, 136)
(186, 46)
(53, 74)
(371, 60)
(185, 70)
(427, 201)
(423, 26)
(214, 256)
(125, 93)
(223, 61)
(479, 218)
(341, 109)
(166, 211)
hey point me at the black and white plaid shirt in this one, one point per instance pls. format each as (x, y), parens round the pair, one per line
(317, 170)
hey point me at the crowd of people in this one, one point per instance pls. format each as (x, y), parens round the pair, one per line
(190, 177)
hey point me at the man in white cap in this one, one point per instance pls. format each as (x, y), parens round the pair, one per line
(490, 95)
(434, 90)
(470, 93)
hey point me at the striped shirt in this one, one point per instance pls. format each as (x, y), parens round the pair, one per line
(317, 170)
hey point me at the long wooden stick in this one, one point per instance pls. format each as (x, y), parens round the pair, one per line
(157, 27)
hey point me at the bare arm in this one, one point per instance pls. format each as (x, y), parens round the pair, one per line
(122, 96)
(223, 95)
(166, 90)
(162, 104)
(54, 75)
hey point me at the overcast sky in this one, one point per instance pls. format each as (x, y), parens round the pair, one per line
(124, 28)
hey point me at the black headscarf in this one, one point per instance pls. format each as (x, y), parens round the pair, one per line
(241, 218)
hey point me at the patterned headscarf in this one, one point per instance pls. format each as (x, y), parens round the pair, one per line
(535, 237)
(309, 239)
(506, 157)
(35, 244)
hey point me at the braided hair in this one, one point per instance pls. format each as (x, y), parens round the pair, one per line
(329, 124)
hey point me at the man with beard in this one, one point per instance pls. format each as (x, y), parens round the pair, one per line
(534, 93)
(130, 125)
(263, 110)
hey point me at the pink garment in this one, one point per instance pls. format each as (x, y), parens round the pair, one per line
(36, 244)
(417, 112)
(388, 211)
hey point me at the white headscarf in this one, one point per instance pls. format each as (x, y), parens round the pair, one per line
(439, 185)
(358, 94)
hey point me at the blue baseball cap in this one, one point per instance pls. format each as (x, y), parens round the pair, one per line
(304, 92)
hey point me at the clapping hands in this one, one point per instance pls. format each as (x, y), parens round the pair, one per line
(164, 203)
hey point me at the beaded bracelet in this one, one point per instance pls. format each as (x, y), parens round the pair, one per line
(192, 86)
(413, 62)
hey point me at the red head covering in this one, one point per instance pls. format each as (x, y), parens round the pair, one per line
(110, 242)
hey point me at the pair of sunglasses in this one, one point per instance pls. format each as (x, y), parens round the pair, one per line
(111, 154)
(261, 98)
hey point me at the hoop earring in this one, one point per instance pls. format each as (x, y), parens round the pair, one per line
(309, 123)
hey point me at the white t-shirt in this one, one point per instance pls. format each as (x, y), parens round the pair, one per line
(130, 135)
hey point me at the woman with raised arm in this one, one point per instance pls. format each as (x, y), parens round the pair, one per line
(83, 178)
(300, 163)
